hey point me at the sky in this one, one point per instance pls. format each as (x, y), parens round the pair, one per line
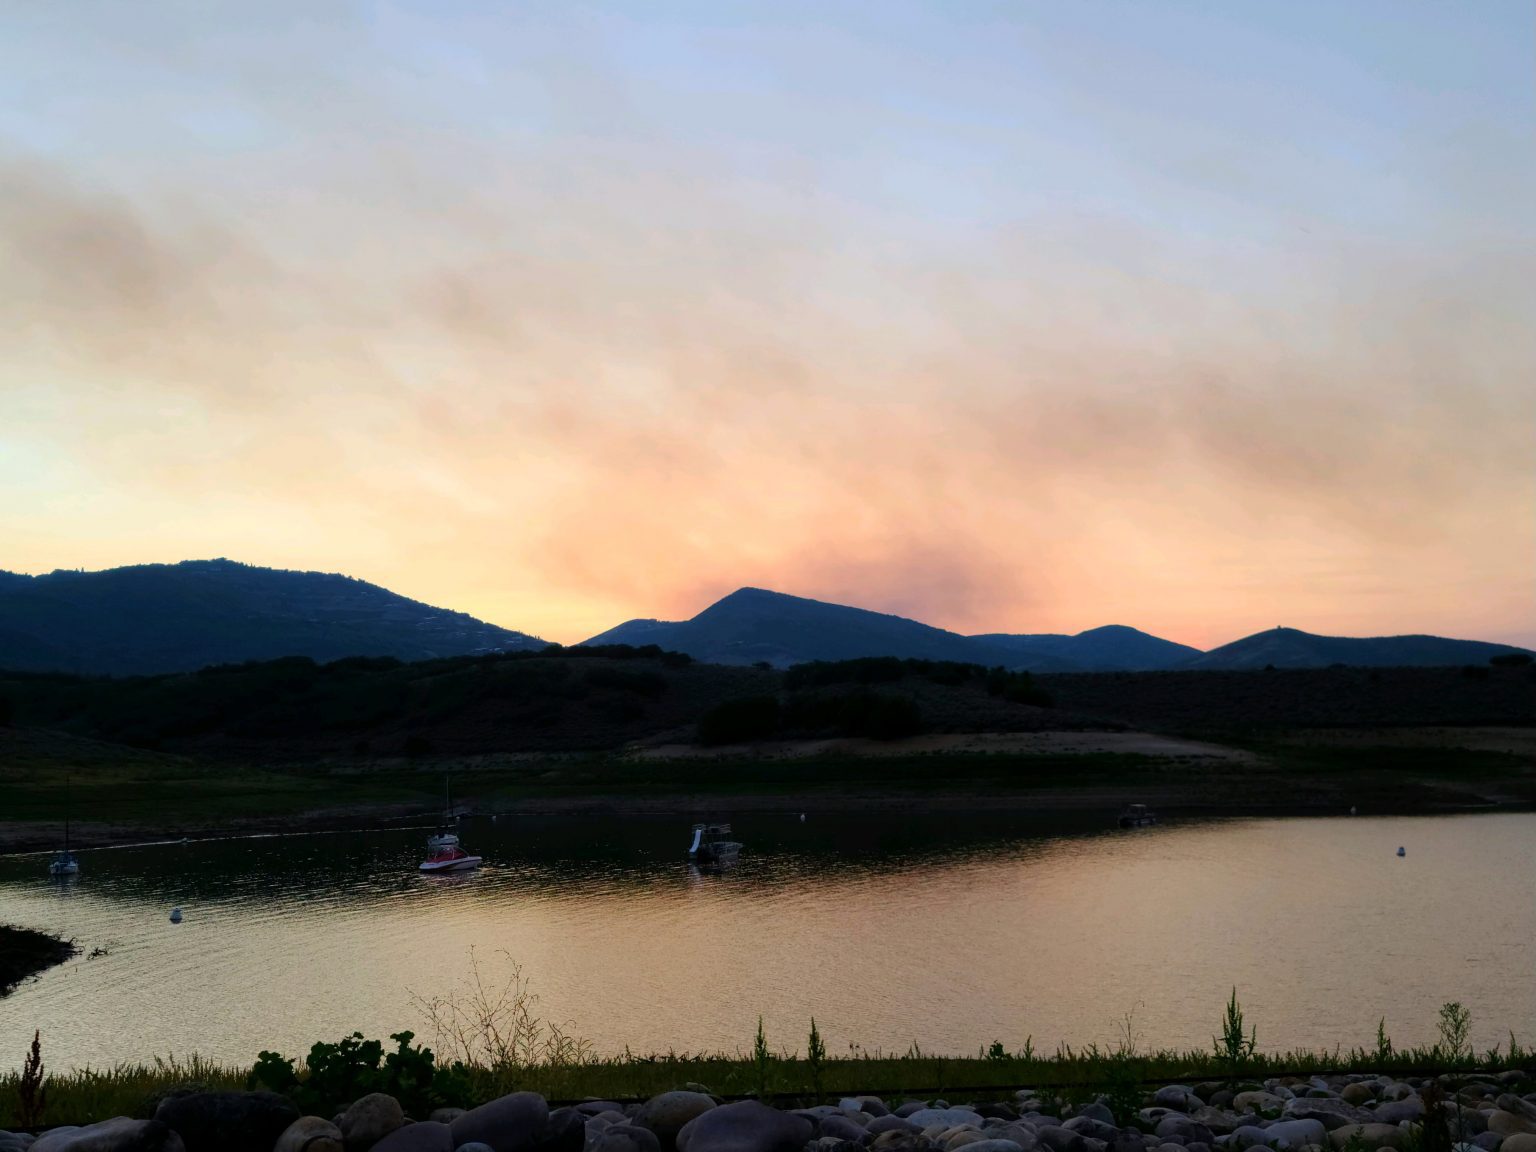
(1030, 317)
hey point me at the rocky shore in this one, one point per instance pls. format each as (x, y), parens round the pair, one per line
(1489, 1112)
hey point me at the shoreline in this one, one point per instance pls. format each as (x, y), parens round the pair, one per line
(26, 953)
(21, 838)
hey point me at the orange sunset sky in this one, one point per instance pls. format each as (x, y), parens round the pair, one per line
(1010, 317)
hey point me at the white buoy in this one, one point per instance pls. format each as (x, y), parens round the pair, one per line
(1351, 809)
(1402, 851)
(802, 817)
(175, 915)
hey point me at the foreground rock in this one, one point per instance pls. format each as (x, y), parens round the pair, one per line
(369, 1120)
(1493, 1113)
(119, 1134)
(227, 1121)
(745, 1127)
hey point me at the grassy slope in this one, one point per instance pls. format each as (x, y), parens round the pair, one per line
(261, 746)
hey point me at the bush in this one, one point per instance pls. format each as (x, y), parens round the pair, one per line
(1017, 688)
(735, 721)
(1511, 660)
(337, 1074)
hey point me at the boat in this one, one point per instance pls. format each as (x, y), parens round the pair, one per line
(442, 841)
(1137, 816)
(448, 858)
(64, 862)
(712, 848)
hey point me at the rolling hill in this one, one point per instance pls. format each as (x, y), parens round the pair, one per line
(155, 618)
(1112, 648)
(754, 625)
(1291, 648)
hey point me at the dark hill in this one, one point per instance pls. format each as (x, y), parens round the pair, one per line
(1112, 648)
(753, 625)
(1290, 648)
(156, 618)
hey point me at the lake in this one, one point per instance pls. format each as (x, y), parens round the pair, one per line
(951, 930)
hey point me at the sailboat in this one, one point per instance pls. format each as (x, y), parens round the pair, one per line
(64, 862)
(444, 854)
(445, 838)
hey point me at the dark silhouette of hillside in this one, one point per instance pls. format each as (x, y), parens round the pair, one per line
(155, 618)
(754, 625)
(361, 709)
(1112, 648)
(1291, 648)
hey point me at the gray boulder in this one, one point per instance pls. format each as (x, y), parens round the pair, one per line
(747, 1126)
(1510, 1123)
(1175, 1096)
(944, 1117)
(1214, 1119)
(871, 1105)
(1093, 1129)
(891, 1124)
(1396, 1111)
(665, 1115)
(369, 1120)
(310, 1134)
(428, 1136)
(120, 1134)
(473, 1145)
(993, 1146)
(1097, 1111)
(513, 1123)
(1492, 1141)
(1332, 1114)
(597, 1107)
(844, 1129)
(227, 1121)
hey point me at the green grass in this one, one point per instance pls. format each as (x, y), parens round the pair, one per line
(1068, 1076)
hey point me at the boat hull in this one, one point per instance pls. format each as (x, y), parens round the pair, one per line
(457, 865)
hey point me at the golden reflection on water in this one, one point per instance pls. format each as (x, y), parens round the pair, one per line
(952, 930)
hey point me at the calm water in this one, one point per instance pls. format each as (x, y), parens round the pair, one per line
(953, 930)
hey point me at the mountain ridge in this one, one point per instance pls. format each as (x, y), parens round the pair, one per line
(1293, 648)
(155, 618)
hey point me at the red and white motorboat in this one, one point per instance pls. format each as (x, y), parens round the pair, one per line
(449, 857)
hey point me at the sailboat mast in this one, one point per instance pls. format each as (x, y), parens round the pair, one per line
(69, 795)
